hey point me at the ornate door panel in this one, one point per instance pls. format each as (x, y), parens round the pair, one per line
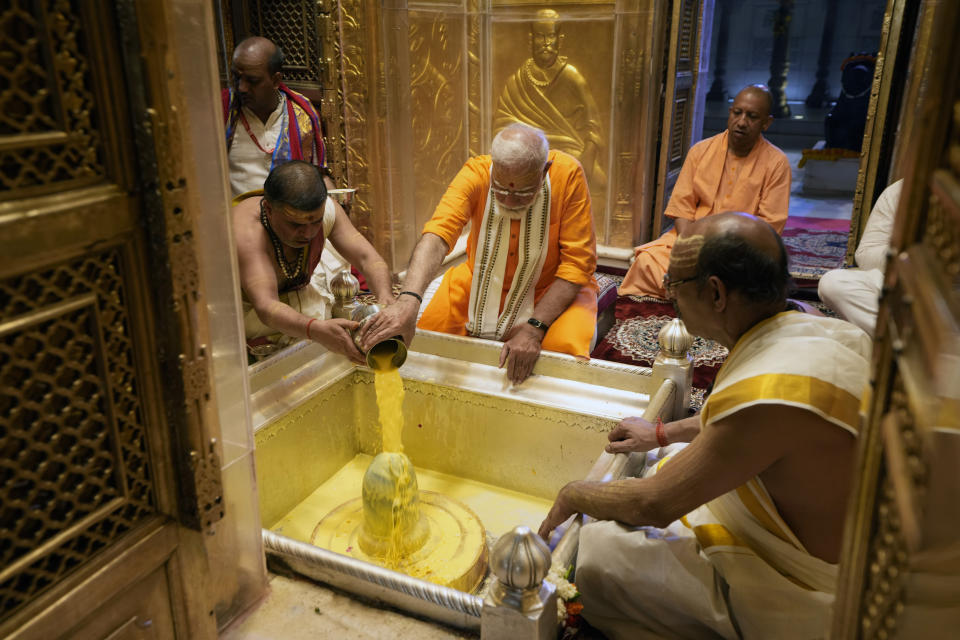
(900, 575)
(679, 98)
(87, 466)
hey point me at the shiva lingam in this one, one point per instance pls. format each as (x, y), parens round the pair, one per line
(394, 524)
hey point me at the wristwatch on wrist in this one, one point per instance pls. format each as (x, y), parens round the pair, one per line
(539, 325)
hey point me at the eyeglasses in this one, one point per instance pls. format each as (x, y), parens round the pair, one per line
(523, 194)
(506, 193)
(668, 283)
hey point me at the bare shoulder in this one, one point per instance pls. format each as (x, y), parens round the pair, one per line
(343, 229)
(247, 209)
(246, 222)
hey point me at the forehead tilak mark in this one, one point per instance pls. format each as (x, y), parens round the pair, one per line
(686, 250)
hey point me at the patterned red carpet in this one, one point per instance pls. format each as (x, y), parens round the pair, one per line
(633, 338)
(815, 245)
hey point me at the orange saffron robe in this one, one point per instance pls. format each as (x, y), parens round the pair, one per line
(571, 252)
(712, 182)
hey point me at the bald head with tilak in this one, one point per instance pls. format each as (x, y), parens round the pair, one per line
(749, 116)
(727, 273)
(256, 75)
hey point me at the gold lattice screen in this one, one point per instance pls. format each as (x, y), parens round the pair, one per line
(74, 471)
(48, 132)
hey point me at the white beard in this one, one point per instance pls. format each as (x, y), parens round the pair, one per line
(508, 212)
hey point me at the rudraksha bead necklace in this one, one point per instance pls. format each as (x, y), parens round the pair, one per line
(290, 272)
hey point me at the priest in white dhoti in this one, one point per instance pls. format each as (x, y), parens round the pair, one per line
(738, 533)
(528, 279)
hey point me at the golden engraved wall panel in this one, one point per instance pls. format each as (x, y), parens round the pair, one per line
(359, 78)
(438, 110)
(477, 128)
(74, 467)
(49, 139)
(411, 90)
(554, 69)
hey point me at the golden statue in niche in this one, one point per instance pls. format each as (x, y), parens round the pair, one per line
(549, 93)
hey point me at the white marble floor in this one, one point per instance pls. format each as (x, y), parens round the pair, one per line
(802, 206)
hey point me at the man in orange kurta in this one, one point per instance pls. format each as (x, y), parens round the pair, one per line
(737, 170)
(564, 301)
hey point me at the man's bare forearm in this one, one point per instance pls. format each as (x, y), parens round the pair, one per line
(628, 501)
(684, 430)
(283, 318)
(427, 257)
(556, 300)
(681, 224)
(378, 277)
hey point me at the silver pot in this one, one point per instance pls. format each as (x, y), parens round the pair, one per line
(386, 354)
(343, 196)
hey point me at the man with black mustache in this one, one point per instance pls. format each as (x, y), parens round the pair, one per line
(266, 122)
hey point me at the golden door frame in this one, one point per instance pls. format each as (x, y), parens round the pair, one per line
(901, 549)
(103, 223)
(878, 166)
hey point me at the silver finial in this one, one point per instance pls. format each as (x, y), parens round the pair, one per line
(344, 285)
(674, 339)
(520, 558)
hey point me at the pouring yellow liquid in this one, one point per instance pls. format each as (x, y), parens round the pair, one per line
(389, 388)
(393, 527)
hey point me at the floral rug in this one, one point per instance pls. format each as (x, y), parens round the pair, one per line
(633, 338)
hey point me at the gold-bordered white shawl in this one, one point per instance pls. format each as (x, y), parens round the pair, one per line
(490, 262)
(797, 359)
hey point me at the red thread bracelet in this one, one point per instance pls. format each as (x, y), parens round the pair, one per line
(312, 320)
(661, 433)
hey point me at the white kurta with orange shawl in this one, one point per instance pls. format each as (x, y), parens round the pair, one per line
(732, 567)
(711, 181)
(571, 252)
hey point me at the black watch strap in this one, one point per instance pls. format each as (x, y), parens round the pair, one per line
(539, 325)
(412, 294)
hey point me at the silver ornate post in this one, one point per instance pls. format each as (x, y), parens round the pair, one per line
(675, 363)
(519, 604)
(344, 286)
